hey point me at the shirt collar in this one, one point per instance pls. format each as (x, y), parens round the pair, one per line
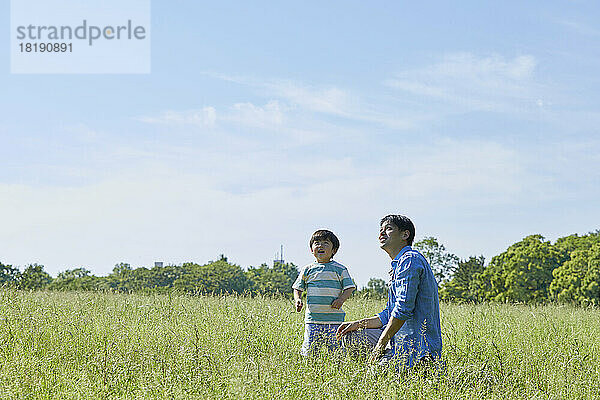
(397, 259)
(404, 250)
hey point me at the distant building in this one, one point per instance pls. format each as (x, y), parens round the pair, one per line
(158, 264)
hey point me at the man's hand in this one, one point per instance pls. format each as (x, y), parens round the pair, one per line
(345, 328)
(299, 305)
(337, 303)
(377, 353)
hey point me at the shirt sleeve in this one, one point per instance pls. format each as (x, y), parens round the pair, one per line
(300, 283)
(347, 282)
(384, 316)
(406, 286)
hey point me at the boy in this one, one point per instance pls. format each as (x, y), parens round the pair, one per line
(328, 285)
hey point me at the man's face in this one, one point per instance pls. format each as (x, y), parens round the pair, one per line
(390, 236)
(322, 249)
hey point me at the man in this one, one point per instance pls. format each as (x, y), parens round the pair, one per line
(408, 329)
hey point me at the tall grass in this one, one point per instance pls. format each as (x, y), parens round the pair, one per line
(93, 345)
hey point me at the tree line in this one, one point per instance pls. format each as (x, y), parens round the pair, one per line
(214, 277)
(533, 270)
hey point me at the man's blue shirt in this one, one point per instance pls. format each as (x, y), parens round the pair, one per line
(413, 297)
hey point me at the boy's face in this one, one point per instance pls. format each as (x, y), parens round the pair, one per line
(322, 249)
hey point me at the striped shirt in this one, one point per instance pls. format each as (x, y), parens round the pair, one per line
(323, 284)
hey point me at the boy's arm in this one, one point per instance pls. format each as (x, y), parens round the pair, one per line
(298, 299)
(349, 287)
(345, 295)
(298, 286)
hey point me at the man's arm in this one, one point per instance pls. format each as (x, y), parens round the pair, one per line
(406, 286)
(350, 326)
(345, 295)
(388, 333)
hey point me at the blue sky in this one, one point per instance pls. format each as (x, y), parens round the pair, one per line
(262, 122)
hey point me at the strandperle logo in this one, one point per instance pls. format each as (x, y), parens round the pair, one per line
(91, 33)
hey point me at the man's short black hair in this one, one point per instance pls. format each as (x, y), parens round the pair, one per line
(403, 223)
(324, 234)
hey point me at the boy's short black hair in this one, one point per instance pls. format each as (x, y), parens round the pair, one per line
(403, 223)
(324, 234)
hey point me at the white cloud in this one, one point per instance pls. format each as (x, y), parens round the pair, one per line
(579, 27)
(82, 133)
(338, 102)
(248, 114)
(469, 82)
(327, 99)
(331, 100)
(206, 117)
(481, 169)
(271, 115)
(487, 70)
(274, 123)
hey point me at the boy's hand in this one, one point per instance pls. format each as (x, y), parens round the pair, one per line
(299, 305)
(337, 303)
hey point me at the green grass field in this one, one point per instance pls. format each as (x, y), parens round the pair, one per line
(93, 345)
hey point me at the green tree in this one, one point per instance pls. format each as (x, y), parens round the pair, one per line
(120, 277)
(443, 263)
(569, 244)
(126, 279)
(590, 284)
(215, 277)
(9, 275)
(34, 277)
(522, 273)
(137, 279)
(376, 289)
(290, 270)
(163, 278)
(272, 280)
(122, 269)
(461, 288)
(576, 281)
(75, 279)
